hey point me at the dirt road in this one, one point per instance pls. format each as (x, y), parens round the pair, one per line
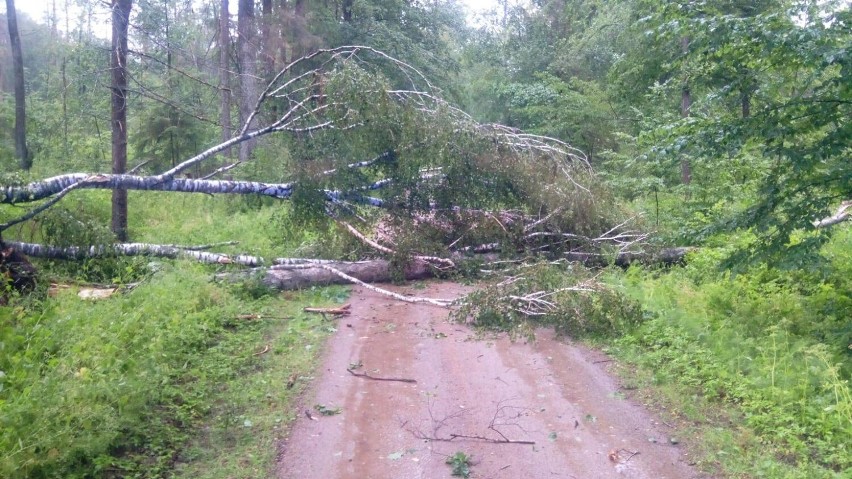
(475, 396)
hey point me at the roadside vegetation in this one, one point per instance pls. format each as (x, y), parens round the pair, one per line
(173, 375)
(755, 365)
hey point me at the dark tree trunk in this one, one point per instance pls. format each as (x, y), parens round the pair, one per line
(282, 24)
(21, 150)
(118, 65)
(225, 74)
(746, 89)
(347, 10)
(64, 106)
(268, 46)
(247, 48)
(685, 105)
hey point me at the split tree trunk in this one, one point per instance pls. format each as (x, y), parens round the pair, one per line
(373, 271)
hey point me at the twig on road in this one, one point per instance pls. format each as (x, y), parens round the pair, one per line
(375, 378)
(341, 311)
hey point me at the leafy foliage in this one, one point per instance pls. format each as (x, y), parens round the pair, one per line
(460, 464)
(569, 299)
(797, 127)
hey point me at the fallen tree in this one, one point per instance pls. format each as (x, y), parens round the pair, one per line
(448, 186)
(296, 273)
(300, 276)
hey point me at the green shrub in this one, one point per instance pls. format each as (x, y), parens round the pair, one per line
(566, 298)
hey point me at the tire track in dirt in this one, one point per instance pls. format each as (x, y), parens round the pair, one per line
(547, 391)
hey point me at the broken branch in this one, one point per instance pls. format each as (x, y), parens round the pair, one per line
(341, 311)
(485, 439)
(375, 378)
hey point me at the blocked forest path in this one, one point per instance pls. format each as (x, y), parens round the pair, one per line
(555, 394)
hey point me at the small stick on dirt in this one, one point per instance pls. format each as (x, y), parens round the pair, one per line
(630, 456)
(265, 350)
(615, 457)
(375, 378)
(341, 311)
(260, 316)
(484, 439)
(603, 361)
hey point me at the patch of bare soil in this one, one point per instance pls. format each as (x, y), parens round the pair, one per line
(546, 409)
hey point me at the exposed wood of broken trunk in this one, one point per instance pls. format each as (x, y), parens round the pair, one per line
(373, 271)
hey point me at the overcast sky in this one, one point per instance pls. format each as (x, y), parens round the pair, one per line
(37, 8)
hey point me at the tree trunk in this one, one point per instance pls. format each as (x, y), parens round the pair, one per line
(130, 249)
(347, 10)
(373, 271)
(118, 65)
(664, 257)
(225, 74)
(268, 45)
(247, 48)
(286, 273)
(52, 186)
(21, 150)
(685, 105)
(64, 106)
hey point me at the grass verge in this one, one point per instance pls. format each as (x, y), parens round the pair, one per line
(754, 367)
(167, 378)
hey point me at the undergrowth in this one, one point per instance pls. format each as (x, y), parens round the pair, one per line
(773, 346)
(116, 388)
(179, 377)
(167, 379)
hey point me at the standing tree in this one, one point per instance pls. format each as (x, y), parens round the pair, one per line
(224, 73)
(21, 151)
(685, 105)
(246, 51)
(118, 66)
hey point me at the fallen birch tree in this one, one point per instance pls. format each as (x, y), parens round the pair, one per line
(448, 187)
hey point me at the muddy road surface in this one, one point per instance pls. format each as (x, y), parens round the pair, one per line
(546, 409)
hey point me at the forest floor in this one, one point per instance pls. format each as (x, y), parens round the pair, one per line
(540, 409)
